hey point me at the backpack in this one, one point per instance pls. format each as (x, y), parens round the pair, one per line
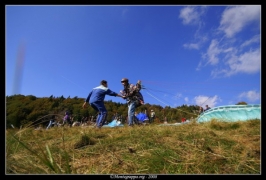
(137, 97)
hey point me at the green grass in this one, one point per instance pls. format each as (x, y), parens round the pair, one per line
(195, 148)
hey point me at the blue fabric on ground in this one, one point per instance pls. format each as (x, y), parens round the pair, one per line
(114, 123)
(142, 117)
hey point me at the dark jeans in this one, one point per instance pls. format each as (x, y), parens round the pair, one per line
(101, 118)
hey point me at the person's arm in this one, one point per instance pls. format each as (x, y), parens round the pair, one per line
(138, 85)
(123, 94)
(87, 100)
(112, 93)
(84, 105)
(119, 95)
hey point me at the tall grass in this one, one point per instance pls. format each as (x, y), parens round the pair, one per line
(194, 148)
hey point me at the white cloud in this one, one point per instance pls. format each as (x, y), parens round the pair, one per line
(192, 14)
(206, 100)
(234, 19)
(191, 46)
(229, 56)
(233, 62)
(211, 56)
(249, 62)
(212, 52)
(199, 41)
(189, 15)
(254, 39)
(252, 96)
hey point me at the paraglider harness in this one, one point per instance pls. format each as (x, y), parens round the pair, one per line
(133, 93)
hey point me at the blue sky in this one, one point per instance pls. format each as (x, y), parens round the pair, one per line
(193, 55)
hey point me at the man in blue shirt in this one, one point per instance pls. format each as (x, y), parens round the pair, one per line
(96, 100)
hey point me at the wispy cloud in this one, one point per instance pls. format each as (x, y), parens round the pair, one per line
(252, 96)
(202, 100)
(254, 39)
(190, 15)
(186, 99)
(192, 46)
(248, 62)
(213, 52)
(234, 19)
(232, 55)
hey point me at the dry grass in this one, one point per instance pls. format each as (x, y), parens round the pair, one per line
(207, 148)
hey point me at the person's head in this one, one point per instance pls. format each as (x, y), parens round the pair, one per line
(104, 83)
(124, 81)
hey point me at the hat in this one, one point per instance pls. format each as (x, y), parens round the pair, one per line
(151, 110)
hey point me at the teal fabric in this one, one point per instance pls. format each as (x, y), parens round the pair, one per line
(114, 123)
(232, 113)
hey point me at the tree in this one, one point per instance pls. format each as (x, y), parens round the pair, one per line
(241, 103)
(22, 109)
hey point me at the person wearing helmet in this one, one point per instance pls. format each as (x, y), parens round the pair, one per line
(96, 100)
(133, 96)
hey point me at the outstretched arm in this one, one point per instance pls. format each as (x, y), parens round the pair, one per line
(120, 95)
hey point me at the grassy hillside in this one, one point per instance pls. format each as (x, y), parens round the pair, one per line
(194, 148)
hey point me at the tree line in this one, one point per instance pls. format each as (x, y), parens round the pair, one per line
(21, 110)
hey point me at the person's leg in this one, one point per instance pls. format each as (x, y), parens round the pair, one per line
(131, 113)
(69, 123)
(102, 114)
(135, 120)
(49, 125)
(95, 107)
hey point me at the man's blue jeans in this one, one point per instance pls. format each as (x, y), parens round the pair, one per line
(131, 113)
(101, 118)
